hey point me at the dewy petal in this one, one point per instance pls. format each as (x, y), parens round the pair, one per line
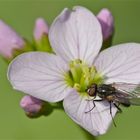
(76, 34)
(96, 121)
(120, 63)
(40, 75)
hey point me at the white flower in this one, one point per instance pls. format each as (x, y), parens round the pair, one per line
(76, 39)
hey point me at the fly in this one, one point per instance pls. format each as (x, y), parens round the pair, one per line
(117, 93)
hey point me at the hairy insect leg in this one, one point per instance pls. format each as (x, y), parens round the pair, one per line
(119, 109)
(111, 114)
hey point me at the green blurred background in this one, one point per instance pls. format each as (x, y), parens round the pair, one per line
(21, 14)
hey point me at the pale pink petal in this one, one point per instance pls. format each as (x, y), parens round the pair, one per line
(96, 121)
(76, 34)
(120, 63)
(40, 75)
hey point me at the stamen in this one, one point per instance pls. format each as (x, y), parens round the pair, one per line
(81, 76)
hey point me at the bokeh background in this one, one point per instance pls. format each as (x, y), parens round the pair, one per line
(21, 14)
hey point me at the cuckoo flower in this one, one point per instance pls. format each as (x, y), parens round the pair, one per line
(76, 39)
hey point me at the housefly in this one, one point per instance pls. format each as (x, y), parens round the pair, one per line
(117, 93)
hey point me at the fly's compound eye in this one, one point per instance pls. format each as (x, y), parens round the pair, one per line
(92, 90)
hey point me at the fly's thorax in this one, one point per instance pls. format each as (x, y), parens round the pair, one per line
(81, 76)
(105, 90)
(110, 97)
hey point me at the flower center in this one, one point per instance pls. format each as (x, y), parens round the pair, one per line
(81, 76)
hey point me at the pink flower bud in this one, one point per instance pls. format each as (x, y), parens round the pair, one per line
(107, 23)
(41, 27)
(9, 40)
(32, 106)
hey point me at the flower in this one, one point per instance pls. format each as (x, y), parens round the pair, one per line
(9, 40)
(76, 39)
(32, 106)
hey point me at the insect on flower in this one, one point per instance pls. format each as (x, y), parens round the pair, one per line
(117, 93)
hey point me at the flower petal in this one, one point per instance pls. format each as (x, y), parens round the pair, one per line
(76, 34)
(120, 63)
(40, 75)
(96, 121)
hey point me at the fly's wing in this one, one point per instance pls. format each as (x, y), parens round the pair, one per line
(127, 93)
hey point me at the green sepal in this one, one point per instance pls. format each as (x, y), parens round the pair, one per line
(43, 44)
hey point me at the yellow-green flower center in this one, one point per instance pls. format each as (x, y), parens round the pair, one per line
(81, 76)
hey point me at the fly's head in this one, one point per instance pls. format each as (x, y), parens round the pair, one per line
(92, 90)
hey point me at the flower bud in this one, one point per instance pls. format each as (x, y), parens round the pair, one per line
(9, 40)
(107, 23)
(41, 36)
(32, 106)
(41, 27)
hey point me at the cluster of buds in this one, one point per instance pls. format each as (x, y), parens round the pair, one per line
(11, 45)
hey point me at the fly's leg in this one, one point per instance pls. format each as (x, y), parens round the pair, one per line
(119, 109)
(111, 114)
(99, 100)
(93, 104)
(92, 107)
